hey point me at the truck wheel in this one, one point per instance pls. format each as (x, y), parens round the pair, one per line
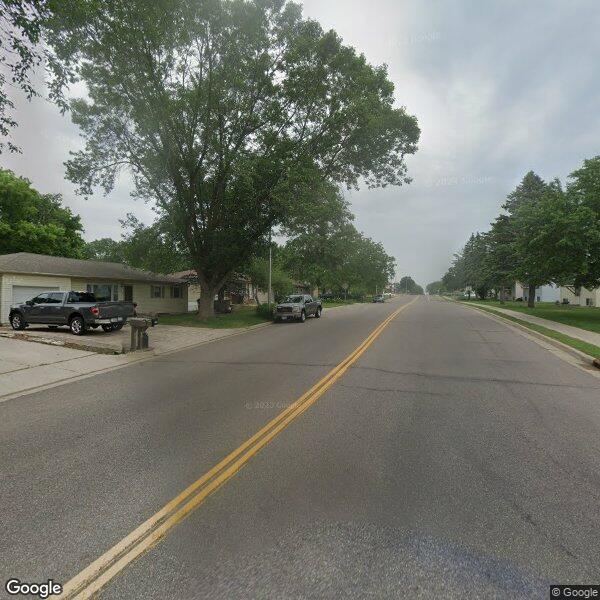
(77, 325)
(117, 326)
(107, 328)
(318, 313)
(302, 317)
(16, 322)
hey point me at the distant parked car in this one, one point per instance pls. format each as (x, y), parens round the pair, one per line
(77, 310)
(378, 298)
(297, 307)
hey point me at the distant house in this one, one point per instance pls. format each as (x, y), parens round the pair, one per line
(580, 296)
(239, 289)
(24, 275)
(544, 293)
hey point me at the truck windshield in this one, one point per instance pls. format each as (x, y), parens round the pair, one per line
(81, 297)
(293, 299)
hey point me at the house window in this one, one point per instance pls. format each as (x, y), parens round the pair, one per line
(104, 292)
(157, 291)
(176, 291)
(588, 302)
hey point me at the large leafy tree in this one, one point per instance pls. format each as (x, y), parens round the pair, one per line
(34, 222)
(501, 259)
(583, 189)
(407, 285)
(21, 52)
(224, 111)
(520, 204)
(553, 235)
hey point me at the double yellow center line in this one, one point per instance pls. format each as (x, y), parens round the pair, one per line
(102, 570)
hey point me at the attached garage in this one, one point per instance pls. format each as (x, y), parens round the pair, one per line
(24, 275)
(22, 293)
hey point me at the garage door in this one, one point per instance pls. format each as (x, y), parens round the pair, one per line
(22, 293)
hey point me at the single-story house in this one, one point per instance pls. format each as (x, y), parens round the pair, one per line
(240, 289)
(24, 275)
(580, 296)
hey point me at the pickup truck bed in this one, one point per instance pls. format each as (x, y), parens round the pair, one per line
(77, 310)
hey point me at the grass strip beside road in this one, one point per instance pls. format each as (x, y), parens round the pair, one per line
(585, 347)
(93, 578)
(242, 316)
(584, 317)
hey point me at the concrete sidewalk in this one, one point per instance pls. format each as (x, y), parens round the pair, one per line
(575, 332)
(27, 366)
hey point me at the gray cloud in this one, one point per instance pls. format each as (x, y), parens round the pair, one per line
(499, 88)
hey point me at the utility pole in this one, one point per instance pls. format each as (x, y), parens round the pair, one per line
(270, 269)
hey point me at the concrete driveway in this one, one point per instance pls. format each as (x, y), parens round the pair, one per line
(57, 355)
(163, 338)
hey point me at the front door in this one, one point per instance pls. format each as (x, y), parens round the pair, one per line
(128, 292)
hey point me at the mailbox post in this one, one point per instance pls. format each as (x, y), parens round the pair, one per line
(139, 337)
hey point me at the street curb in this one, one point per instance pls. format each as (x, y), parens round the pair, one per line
(75, 345)
(586, 358)
(131, 358)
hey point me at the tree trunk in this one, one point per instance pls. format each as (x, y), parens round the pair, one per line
(531, 299)
(206, 304)
(222, 294)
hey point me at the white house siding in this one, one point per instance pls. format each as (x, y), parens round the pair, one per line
(42, 281)
(545, 293)
(586, 297)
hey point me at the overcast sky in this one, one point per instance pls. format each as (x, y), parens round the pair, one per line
(499, 87)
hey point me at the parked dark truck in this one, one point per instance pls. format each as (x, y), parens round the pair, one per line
(77, 310)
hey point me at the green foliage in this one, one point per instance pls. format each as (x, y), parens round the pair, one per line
(281, 282)
(264, 311)
(584, 192)
(407, 285)
(242, 316)
(34, 222)
(105, 249)
(149, 247)
(435, 287)
(21, 52)
(335, 256)
(225, 112)
(548, 235)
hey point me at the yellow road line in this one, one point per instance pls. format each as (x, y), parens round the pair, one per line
(102, 570)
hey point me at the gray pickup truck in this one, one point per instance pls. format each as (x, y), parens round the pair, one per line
(77, 310)
(297, 307)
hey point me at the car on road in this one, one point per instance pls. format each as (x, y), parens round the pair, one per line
(378, 298)
(297, 307)
(77, 310)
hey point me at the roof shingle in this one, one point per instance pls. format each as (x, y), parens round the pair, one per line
(42, 264)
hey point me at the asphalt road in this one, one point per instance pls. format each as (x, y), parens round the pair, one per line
(456, 458)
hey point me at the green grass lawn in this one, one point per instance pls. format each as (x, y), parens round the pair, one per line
(242, 316)
(334, 303)
(576, 316)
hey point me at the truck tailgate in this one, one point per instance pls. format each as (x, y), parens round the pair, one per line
(112, 310)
